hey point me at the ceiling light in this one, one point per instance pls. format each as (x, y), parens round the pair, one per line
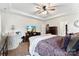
(44, 9)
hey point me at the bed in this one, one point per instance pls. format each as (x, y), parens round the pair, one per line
(34, 41)
(48, 45)
(54, 45)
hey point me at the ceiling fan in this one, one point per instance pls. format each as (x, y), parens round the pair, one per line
(45, 8)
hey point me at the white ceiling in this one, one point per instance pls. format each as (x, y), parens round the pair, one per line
(28, 9)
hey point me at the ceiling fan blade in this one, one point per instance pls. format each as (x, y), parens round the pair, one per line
(51, 6)
(52, 9)
(38, 7)
(39, 11)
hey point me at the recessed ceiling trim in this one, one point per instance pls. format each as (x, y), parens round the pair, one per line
(58, 15)
(74, 10)
(25, 14)
(62, 14)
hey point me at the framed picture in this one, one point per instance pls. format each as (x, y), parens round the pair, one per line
(31, 28)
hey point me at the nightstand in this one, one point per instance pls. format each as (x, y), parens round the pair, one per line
(29, 34)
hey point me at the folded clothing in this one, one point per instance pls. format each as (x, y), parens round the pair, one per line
(66, 41)
(73, 44)
(76, 46)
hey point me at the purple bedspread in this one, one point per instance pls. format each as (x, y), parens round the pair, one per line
(51, 47)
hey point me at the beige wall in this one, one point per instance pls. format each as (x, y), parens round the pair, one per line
(62, 21)
(20, 22)
(0, 27)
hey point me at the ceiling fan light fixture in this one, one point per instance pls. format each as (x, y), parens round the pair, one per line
(44, 13)
(45, 8)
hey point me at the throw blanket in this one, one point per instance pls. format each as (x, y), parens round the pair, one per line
(50, 47)
(53, 47)
(35, 40)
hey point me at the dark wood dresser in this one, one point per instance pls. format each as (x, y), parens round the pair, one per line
(29, 34)
(53, 30)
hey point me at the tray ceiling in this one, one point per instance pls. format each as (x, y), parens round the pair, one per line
(28, 9)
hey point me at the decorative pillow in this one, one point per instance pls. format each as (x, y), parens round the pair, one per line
(72, 43)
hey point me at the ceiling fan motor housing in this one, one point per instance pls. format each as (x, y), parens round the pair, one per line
(44, 7)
